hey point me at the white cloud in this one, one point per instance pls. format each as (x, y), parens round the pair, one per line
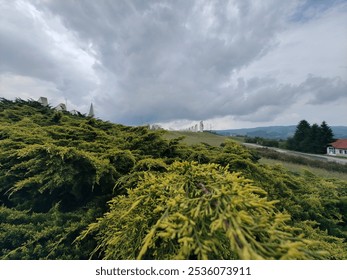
(237, 62)
(36, 46)
(317, 46)
(17, 86)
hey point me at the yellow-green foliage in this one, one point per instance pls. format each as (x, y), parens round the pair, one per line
(27, 235)
(73, 187)
(49, 169)
(196, 212)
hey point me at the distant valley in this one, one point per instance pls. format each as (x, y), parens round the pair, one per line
(276, 132)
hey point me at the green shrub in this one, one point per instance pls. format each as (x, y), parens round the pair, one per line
(195, 212)
(56, 180)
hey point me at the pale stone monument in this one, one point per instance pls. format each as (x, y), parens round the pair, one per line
(91, 111)
(43, 101)
(201, 127)
(60, 107)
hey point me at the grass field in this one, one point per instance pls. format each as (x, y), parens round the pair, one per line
(298, 168)
(191, 138)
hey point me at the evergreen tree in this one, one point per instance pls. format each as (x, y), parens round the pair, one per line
(311, 139)
(327, 136)
(300, 138)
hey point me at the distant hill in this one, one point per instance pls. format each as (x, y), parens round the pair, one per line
(339, 131)
(276, 132)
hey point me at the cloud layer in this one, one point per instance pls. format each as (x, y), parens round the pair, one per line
(165, 61)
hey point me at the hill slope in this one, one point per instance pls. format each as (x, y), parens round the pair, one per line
(276, 132)
(192, 138)
(73, 187)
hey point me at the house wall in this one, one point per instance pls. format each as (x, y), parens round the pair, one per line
(331, 151)
(341, 152)
(336, 152)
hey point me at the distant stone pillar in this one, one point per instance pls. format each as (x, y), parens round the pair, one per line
(43, 101)
(201, 126)
(91, 111)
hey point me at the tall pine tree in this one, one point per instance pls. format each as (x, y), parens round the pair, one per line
(326, 136)
(311, 139)
(302, 131)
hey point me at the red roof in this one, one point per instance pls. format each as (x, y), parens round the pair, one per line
(340, 144)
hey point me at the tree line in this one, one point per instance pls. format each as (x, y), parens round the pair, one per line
(307, 139)
(311, 138)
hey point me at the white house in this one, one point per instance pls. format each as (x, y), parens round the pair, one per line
(338, 148)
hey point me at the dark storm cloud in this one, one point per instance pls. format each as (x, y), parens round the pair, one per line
(23, 47)
(324, 90)
(35, 44)
(166, 60)
(149, 61)
(269, 98)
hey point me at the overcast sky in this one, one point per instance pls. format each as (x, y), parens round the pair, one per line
(233, 64)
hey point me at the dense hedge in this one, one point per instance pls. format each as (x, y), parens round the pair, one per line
(73, 187)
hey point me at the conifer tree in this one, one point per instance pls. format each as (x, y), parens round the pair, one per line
(300, 137)
(327, 136)
(311, 139)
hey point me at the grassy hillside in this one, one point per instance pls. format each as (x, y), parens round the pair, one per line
(191, 138)
(301, 168)
(291, 163)
(73, 187)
